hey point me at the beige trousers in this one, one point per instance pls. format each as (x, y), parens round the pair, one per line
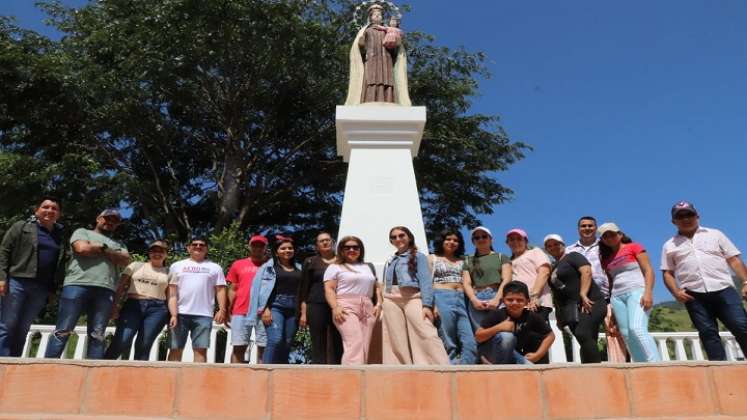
(616, 351)
(409, 338)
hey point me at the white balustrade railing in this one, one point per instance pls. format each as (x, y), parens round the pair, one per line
(44, 334)
(684, 345)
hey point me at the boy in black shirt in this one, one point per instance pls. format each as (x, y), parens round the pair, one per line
(514, 334)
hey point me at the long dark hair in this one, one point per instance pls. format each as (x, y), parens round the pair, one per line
(605, 252)
(438, 243)
(279, 241)
(340, 258)
(412, 263)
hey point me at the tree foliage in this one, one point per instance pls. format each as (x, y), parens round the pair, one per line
(197, 114)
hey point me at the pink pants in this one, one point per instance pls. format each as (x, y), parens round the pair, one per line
(616, 352)
(409, 338)
(357, 328)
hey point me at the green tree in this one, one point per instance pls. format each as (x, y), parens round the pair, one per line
(195, 114)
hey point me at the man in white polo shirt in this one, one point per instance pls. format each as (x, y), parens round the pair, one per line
(194, 285)
(696, 263)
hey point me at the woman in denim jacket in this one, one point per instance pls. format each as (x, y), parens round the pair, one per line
(409, 334)
(273, 301)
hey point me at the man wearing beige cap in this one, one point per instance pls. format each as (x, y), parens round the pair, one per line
(90, 283)
(696, 263)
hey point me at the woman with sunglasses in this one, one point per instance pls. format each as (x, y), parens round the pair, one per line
(273, 300)
(314, 309)
(448, 294)
(349, 285)
(409, 334)
(484, 273)
(144, 312)
(631, 290)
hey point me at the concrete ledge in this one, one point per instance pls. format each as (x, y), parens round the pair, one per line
(59, 389)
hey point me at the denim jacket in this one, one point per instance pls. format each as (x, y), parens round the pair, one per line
(423, 279)
(262, 286)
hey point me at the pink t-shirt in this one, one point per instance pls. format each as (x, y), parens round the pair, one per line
(241, 274)
(524, 269)
(352, 279)
(624, 269)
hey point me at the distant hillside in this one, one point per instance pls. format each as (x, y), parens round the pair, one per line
(670, 316)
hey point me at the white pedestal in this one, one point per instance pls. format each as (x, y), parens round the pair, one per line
(379, 142)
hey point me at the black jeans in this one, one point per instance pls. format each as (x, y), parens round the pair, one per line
(319, 317)
(586, 331)
(725, 305)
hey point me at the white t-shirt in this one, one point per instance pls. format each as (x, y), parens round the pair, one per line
(352, 279)
(195, 284)
(699, 264)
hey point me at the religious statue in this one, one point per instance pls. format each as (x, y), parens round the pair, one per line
(378, 62)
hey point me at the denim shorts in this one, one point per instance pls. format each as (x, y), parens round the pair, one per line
(241, 332)
(196, 326)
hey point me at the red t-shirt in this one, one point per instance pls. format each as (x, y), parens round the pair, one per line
(241, 274)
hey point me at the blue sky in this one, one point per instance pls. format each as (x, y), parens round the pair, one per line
(630, 106)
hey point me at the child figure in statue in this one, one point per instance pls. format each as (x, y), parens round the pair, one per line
(393, 36)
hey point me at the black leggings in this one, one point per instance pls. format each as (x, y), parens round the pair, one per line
(319, 317)
(586, 331)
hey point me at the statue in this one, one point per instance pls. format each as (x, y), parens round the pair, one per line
(378, 62)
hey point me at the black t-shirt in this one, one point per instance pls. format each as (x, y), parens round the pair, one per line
(312, 280)
(286, 282)
(530, 328)
(565, 280)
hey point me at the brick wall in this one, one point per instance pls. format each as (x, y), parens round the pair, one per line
(62, 389)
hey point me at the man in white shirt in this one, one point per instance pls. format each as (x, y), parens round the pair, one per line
(588, 246)
(194, 284)
(696, 265)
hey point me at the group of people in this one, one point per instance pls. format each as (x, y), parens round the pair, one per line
(446, 307)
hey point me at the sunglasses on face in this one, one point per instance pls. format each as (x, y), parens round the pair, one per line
(684, 216)
(351, 248)
(480, 237)
(400, 236)
(198, 245)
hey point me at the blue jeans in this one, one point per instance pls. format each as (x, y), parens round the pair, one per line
(282, 330)
(725, 305)
(198, 327)
(144, 317)
(455, 329)
(475, 315)
(632, 321)
(23, 300)
(501, 350)
(97, 303)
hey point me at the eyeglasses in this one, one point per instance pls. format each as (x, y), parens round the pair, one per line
(400, 236)
(682, 216)
(351, 248)
(480, 237)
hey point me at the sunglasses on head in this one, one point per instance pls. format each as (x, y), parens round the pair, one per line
(400, 236)
(351, 248)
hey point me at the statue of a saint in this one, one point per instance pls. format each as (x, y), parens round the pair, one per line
(378, 63)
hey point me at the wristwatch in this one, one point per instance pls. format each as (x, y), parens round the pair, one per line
(104, 247)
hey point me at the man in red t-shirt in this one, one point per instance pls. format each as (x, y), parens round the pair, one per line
(240, 277)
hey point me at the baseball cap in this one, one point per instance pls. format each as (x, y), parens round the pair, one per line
(112, 213)
(482, 228)
(258, 238)
(555, 237)
(608, 227)
(158, 244)
(683, 206)
(517, 231)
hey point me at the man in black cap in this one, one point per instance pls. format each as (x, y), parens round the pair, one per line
(90, 282)
(696, 264)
